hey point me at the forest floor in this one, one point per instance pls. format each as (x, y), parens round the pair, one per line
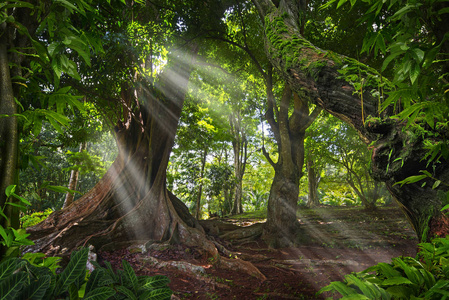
(344, 240)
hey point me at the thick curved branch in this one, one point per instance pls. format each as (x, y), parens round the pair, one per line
(314, 73)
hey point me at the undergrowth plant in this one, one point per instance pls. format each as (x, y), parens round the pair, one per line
(35, 278)
(423, 277)
(29, 220)
(12, 238)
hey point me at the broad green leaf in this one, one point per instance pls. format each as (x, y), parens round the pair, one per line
(7, 236)
(366, 287)
(400, 292)
(389, 59)
(340, 287)
(159, 294)
(443, 11)
(10, 286)
(8, 266)
(93, 281)
(23, 200)
(73, 292)
(126, 292)
(415, 70)
(101, 293)
(9, 190)
(411, 272)
(355, 297)
(429, 278)
(436, 184)
(74, 269)
(418, 54)
(36, 289)
(69, 6)
(3, 214)
(156, 282)
(388, 271)
(396, 281)
(427, 173)
(61, 189)
(411, 179)
(21, 207)
(20, 234)
(340, 3)
(130, 274)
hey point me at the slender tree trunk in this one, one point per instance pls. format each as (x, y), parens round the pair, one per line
(9, 134)
(200, 188)
(313, 200)
(74, 174)
(240, 146)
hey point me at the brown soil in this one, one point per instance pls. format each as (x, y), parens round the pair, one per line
(344, 240)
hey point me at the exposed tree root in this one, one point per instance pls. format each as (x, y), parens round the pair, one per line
(189, 269)
(278, 296)
(242, 266)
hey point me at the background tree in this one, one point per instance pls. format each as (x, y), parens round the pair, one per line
(349, 95)
(147, 109)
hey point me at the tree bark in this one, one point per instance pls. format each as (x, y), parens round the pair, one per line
(313, 179)
(314, 72)
(9, 134)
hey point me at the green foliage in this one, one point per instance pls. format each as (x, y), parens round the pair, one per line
(85, 163)
(423, 277)
(34, 277)
(13, 238)
(32, 219)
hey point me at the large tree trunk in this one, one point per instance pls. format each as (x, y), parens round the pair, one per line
(314, 72)
(131, 202)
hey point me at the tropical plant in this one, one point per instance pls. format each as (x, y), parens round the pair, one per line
(35, 278)
(12, 239)
(423, 277)
(28, 220)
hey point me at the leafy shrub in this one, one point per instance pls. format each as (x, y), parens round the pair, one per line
(35, 279)
(423, 277)
(35, 218)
